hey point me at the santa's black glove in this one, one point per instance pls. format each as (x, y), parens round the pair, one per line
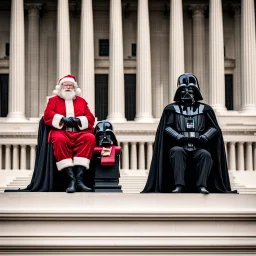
(203, 139)
(76, 121)
(67, 121)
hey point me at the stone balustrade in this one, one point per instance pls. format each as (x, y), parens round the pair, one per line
(18, 152)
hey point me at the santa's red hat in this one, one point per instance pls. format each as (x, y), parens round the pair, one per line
(67, 78)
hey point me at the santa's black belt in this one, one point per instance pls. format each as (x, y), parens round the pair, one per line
(70, 129)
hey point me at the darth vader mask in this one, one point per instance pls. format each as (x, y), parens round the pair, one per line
(104, 134)
(188, 90)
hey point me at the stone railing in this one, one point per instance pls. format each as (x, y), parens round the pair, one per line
(17, 150)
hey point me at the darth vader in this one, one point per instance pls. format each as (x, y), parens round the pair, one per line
(189, 153)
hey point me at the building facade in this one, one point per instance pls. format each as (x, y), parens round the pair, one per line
(127, 56)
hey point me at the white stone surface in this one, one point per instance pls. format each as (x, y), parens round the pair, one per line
(116, 69)
(105, 223)
(16, 111)
(143, 77)
(32, 82)
(86, 55)
(248, 55)
(63, 40)
(176, 50)
(216, 60)
(198, 15)
(237, 72)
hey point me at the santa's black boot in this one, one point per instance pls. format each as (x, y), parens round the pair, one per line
(79, 180)
(71, 179)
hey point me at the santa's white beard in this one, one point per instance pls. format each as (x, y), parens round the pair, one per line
(67, 94)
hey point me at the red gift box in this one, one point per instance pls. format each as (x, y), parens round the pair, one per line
(108, 159)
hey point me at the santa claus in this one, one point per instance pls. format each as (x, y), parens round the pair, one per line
(72, 134)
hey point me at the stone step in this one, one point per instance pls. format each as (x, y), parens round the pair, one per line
(127, 224)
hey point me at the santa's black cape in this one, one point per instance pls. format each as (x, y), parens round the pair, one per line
(160, 178)
(46, 177)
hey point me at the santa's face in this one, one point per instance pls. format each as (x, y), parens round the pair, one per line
(67, 91)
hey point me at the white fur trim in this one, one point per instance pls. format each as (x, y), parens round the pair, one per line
(69, 108)
(68, 79)
(84, 122)
(56, 121)
(82, 161)
(78, 91)
(57, 87)
(64, 163)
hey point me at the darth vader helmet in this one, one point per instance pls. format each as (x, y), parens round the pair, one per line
(188, 89)
(104, 134)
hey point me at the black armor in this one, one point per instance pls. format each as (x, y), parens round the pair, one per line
(190, 126)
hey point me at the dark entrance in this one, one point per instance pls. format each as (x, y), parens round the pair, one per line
(130, 96)
(229, 92)
(101, 96)
(4, 84)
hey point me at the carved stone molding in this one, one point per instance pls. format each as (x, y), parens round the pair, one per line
(4, 63)
(198, 9)
(236, 8)
(33, 8)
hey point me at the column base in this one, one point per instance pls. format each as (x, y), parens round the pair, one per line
(116, 118)
(249, 109)
(16, 117)
(219, 109)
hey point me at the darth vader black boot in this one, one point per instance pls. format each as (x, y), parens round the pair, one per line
(202, 190)
(178, 189)
(72, 180)
(79, 180)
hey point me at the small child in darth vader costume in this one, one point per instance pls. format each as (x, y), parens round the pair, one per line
(189, 153)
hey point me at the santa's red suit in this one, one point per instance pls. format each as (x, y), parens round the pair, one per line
(71, 147)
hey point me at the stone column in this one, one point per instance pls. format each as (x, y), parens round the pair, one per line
(116, 66)
(199, 46)
(149, 153)
(63, 39)
(125, 156)
(141, 155)
(254, 156)
(23, 157)
(1, 159)
(15, 157)
(248, 157)
(32, 156)
(143, 75)
(248, 57)
(237, 89)
(216, 57)
(176, 51)
(7, 157)
(32, 88)
(232, 156)
(17, 64)
(240, 155)
(86, 64)
(133, 156)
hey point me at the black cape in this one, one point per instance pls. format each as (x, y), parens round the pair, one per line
(46, 177)
(160, 178)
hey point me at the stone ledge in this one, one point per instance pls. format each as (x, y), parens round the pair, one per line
(105, 223)
(89, 206)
